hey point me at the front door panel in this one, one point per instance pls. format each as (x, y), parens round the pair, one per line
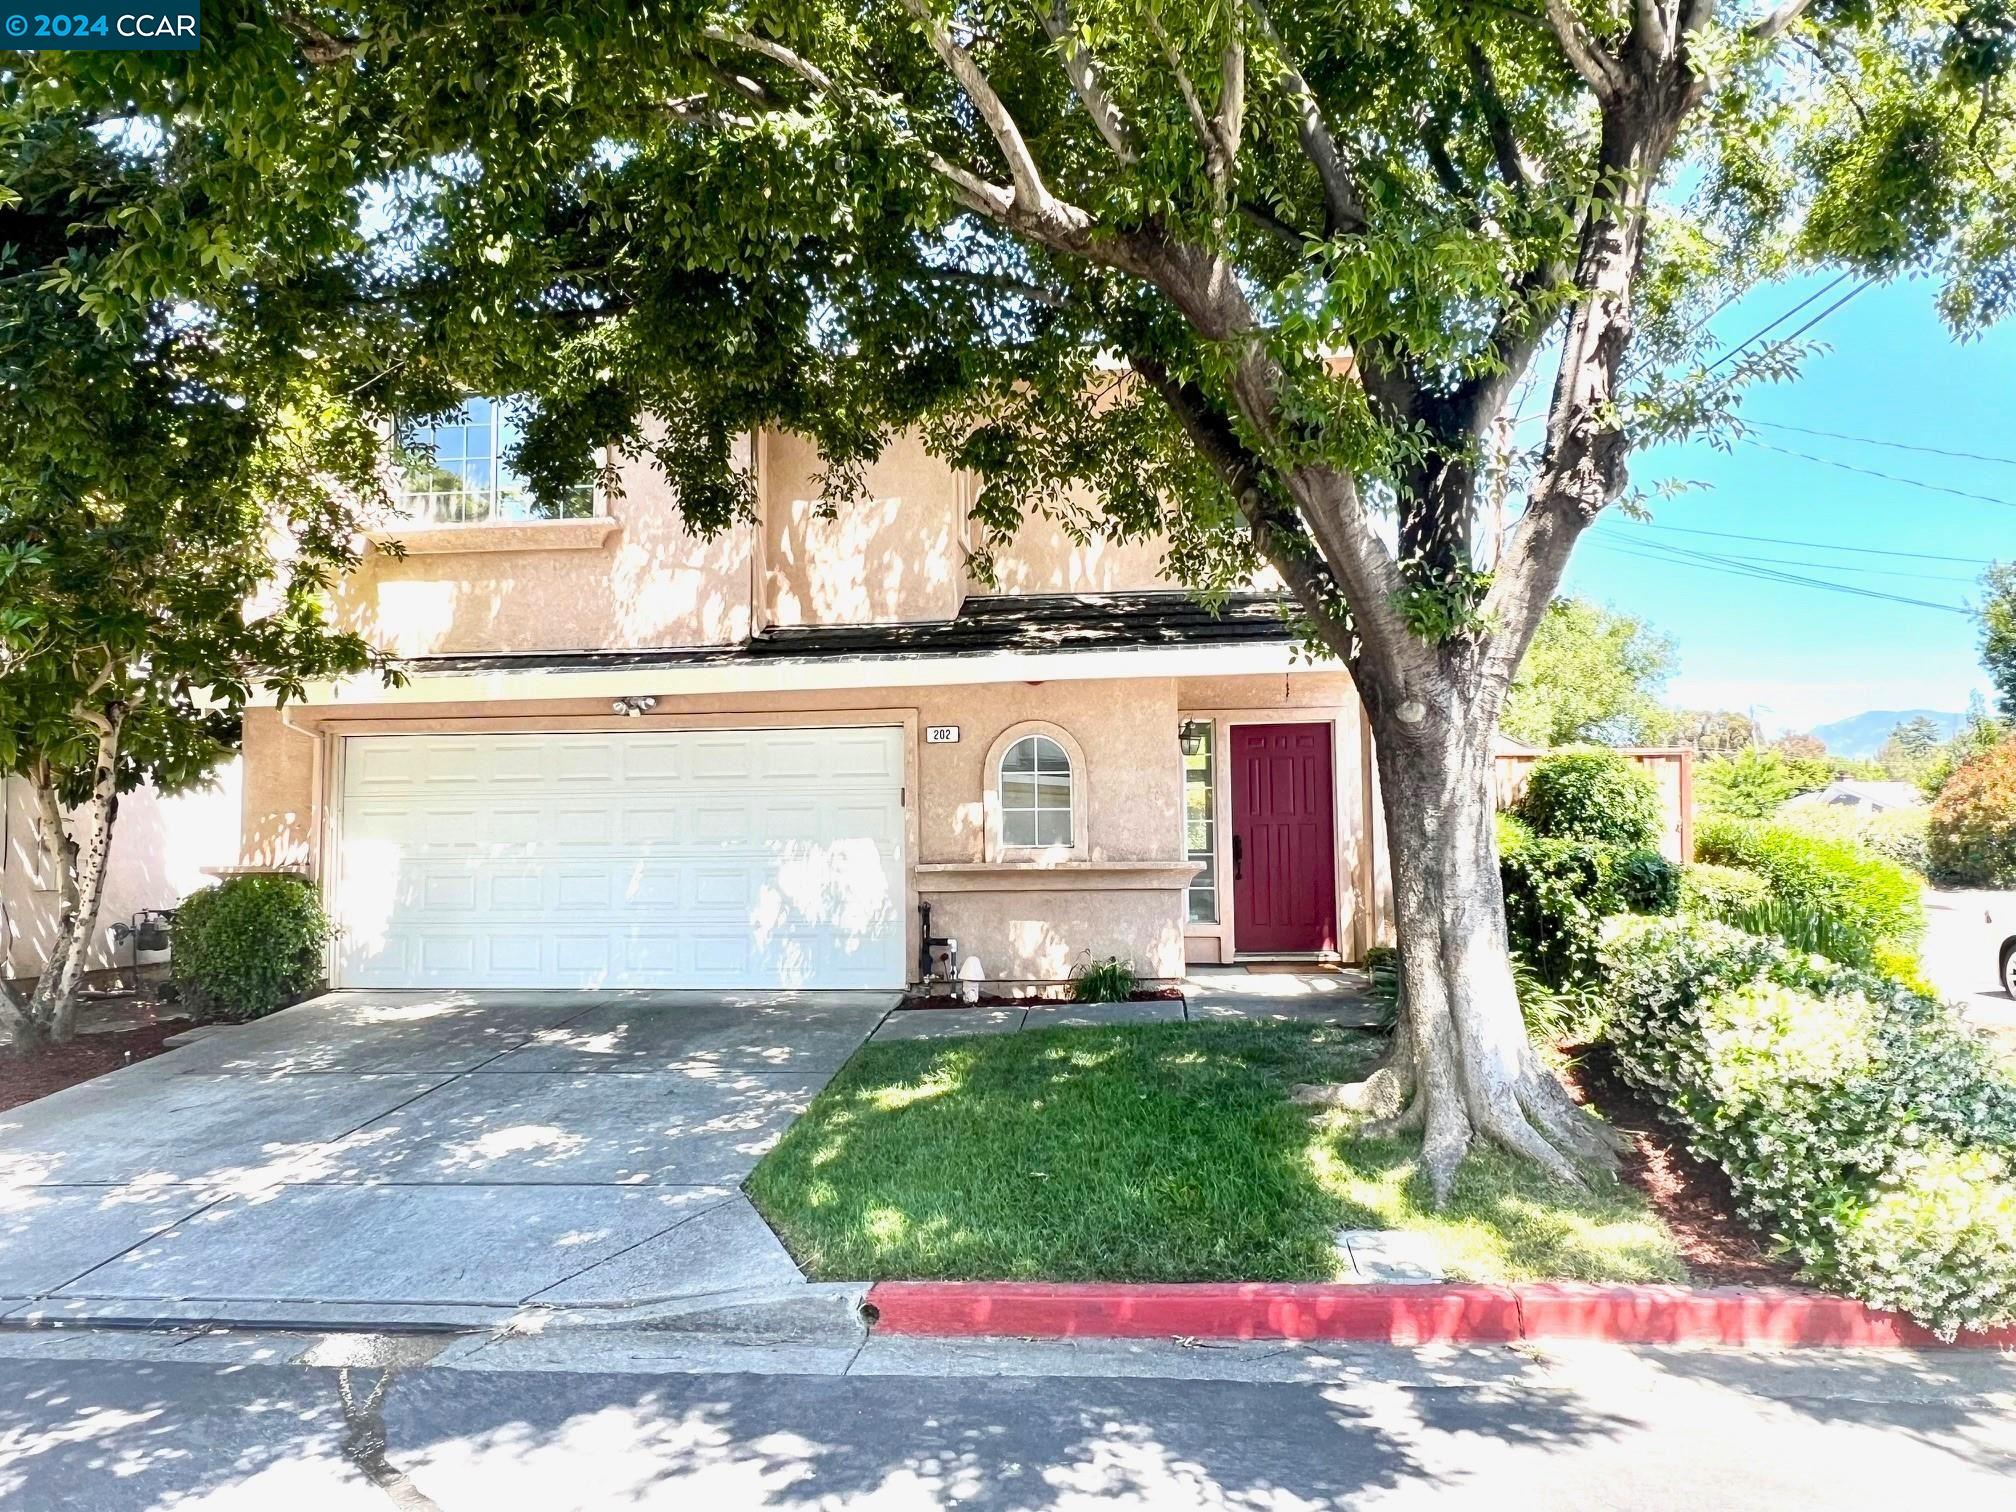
(1284, 879)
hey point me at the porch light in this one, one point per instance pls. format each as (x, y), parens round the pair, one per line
(1192, 736)
(633, 705)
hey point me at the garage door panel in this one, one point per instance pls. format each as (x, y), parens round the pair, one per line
(655, 860)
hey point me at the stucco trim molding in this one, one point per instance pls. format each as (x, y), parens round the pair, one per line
(511, 535)
(1061, 876)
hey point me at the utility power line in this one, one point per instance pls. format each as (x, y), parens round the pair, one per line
(1730, 535)
(1766, 330)
(1909, 446)
(1778, 561)
(1673, 556)
(1871, 472)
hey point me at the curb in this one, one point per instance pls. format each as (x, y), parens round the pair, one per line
(1758, 1318)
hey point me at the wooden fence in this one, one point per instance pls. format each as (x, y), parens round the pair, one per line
(1672, 768)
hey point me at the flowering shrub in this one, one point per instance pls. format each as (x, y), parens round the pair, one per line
(1862, 1126)
(1973, 837)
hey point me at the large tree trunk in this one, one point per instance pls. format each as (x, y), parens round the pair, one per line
(1461, 1066)
(81, 867)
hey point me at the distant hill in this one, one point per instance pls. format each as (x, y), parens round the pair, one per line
(1864, 734)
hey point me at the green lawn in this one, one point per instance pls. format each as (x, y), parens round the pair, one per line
(1159, 1153)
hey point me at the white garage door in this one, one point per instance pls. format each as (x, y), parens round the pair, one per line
(691, 858)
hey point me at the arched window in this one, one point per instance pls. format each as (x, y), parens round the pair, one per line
(1035, 793)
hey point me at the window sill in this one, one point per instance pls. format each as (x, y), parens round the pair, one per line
(500, 535)
(1053, 876)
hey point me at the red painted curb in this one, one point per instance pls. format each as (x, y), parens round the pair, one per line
(1455, 1314)
(1204, 1310)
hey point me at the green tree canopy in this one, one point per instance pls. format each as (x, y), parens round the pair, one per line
(1260, 276)
(1996, 615)
(181, 478)
(1591, 674)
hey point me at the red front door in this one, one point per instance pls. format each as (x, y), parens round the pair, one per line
(1284, 859)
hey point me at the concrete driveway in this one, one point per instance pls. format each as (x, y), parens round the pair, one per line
(1964, 931)
(420, 1158)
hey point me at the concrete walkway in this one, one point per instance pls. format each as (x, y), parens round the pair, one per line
(1226, 994)
(412, 1159)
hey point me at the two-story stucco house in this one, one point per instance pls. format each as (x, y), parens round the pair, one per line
(626, 756)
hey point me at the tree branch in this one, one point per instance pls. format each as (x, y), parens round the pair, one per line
(1200, 119)
(1599, 70)
(1022, 169)
(1340, 196)
(1513, 165)
(1779, 19)
(1654, 36)
(810, 72)
(1277, 533)
(1083, 73)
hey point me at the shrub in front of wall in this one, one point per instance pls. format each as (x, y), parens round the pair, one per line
(1902, 835)
(1723, 893)
(1863, 1127)
(1591, 795)
(1973, 827)
(1834, 889)
(249, 945)
(1559, 891)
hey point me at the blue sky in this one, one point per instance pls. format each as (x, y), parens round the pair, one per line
(1803, 656)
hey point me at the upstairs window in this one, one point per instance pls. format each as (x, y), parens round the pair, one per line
(467, 482)
(1035, 794)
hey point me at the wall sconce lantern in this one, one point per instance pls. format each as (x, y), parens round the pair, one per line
(1192, 736)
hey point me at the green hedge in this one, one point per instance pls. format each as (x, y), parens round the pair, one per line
(1862, 1126)
(1558, 892)
(1823, 892)
(250, 945)
(1591, 795)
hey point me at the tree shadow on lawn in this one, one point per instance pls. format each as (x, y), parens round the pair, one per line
(1153, 1153)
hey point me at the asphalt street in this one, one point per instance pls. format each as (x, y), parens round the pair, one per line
(115, 1421)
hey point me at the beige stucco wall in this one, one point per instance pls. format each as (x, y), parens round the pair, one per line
(635, 577)
(1131, 789)
(536, 586)
(160, 847)
(898, 556)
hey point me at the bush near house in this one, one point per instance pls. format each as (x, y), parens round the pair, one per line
(1558, 892)
(1828, 895)
(1973, 826)
(249, 945)
(1901, 835)
(1578, 848)
(1861, 1125)
(1722, 893)
(1591, 795)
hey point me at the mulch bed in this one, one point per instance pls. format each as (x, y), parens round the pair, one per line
(1028, 999)
(25, 1078)
(1691, 1197)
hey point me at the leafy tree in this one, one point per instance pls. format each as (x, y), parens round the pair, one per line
(1996, 615)
(1973, 832)
(1260, 277)
(177, 489)
(1752, 784)
(1802, 748)
(1982, 732)
(1590, 675)
(1705, 732)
